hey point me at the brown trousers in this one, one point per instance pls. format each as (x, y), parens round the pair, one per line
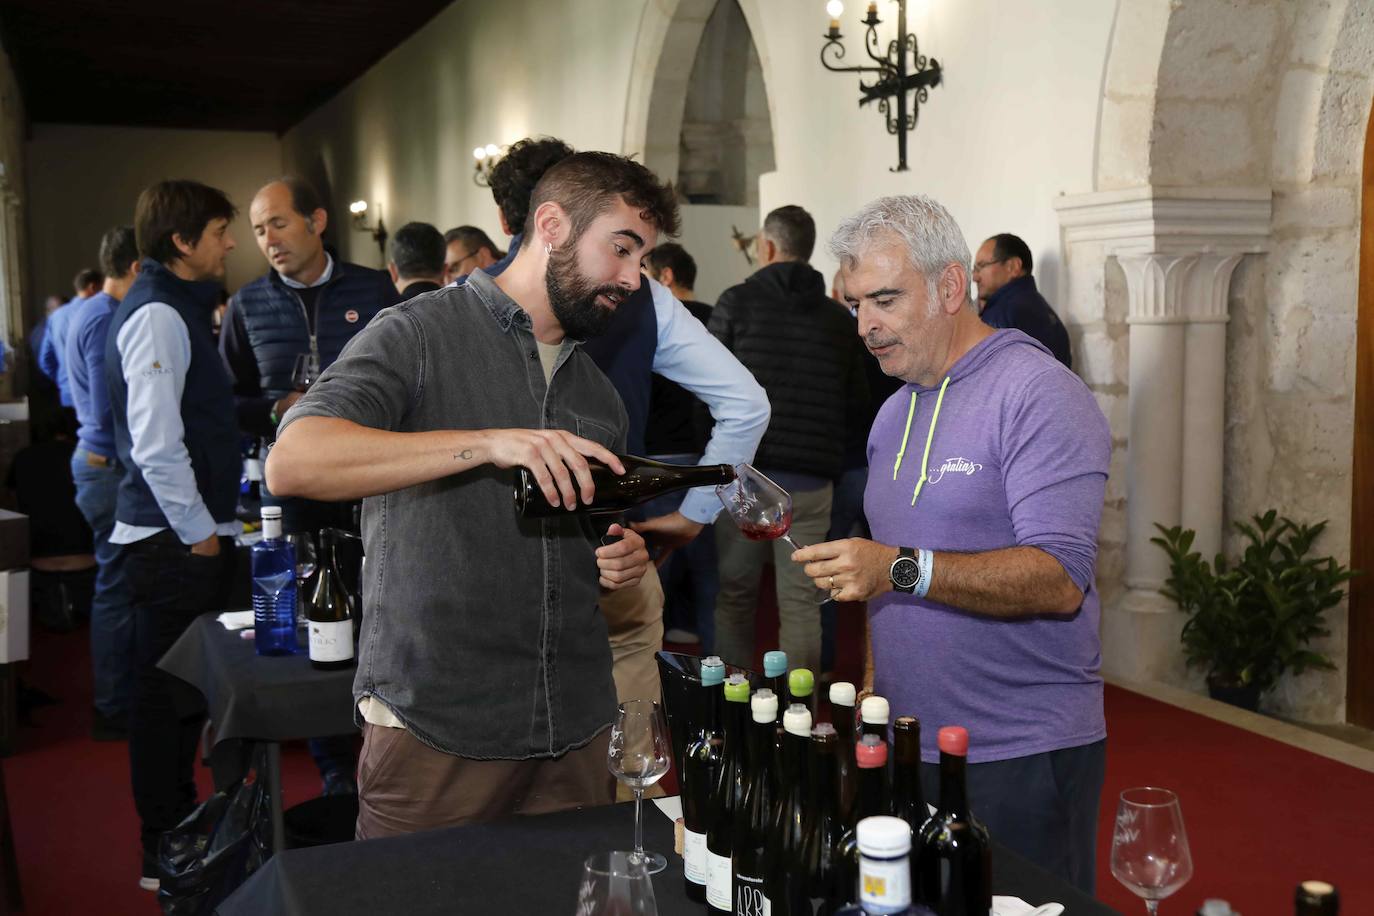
(405, 785)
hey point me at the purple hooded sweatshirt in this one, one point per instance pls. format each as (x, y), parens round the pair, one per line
(1018, 457)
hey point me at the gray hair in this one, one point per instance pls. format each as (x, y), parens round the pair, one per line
(933, 239)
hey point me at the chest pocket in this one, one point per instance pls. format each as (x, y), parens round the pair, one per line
(597, 432)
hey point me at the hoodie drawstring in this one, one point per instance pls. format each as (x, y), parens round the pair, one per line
(930, 437)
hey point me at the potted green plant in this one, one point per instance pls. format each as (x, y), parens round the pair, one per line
(1252, 620)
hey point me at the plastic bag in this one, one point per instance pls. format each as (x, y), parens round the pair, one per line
(214, 850)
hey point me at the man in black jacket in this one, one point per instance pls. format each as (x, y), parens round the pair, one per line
(416, 260)
(799, 344)
(1009, 299)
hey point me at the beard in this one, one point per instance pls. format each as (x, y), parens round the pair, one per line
(572, 296)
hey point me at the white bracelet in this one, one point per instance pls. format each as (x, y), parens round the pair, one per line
(925, 562)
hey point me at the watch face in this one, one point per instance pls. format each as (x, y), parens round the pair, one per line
(905, 572)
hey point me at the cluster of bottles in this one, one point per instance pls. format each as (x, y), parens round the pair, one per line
(281, 580)
(788, 816)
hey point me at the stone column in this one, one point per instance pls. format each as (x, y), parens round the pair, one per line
(1178, 249)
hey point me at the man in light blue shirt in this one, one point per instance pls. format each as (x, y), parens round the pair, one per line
(52, 352)
(95, 471)
(176, 441)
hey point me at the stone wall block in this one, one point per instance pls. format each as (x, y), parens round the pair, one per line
(1295, 123)
(1124, 157)
(1354, 53)
(1341, 122)
(1100, 360)
(1315, 207)
(1225, 49)
(1205, 142)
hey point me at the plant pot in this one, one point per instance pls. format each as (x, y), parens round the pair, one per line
(1246, 696)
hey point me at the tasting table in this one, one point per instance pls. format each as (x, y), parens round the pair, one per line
(262, 699)
(519, 865)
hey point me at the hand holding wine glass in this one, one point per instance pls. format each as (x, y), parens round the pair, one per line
(638, 757)
(1150, 853)
(761, 509)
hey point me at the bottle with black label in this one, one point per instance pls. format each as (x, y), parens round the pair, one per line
(842, 695)
(727, 796)
(643, 480)
(908, 799)
(786, 881)
(1316, 898)
(330, 613)
(699, 767)
(954, 856)
(824, 826)
(755, 815)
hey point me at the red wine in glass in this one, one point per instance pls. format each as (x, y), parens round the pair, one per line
(761, 509)
(766, 531)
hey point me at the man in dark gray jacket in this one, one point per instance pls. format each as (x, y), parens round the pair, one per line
(801, 347)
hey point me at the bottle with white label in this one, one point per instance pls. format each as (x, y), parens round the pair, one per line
(330, 613)
(727, 796)
(699, 776)
(884, 869)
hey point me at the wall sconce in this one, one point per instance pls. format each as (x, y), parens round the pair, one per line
(487, 157)
(359, 210)
(894, 77)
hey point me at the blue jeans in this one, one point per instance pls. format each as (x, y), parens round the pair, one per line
(690, 577)
(112, 614)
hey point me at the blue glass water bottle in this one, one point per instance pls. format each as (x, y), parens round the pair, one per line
(274, 588)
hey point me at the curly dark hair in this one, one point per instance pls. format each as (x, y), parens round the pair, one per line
(585, 185)
(514, 177)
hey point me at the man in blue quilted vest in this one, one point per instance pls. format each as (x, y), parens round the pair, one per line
(308, 301)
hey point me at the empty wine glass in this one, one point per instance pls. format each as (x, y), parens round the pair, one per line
(1150, 852)
(306, 371)
(638, 757)
(306, 562)
(761, 509)
(615, 884)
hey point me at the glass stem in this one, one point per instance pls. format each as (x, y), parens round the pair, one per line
(1152, 907)
(639, 833)
(795, 545)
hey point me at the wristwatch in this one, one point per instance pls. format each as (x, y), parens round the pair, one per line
(905, 571)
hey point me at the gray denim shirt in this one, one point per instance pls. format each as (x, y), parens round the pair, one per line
(481, 630)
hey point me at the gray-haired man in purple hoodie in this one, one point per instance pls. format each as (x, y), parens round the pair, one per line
(985, 489)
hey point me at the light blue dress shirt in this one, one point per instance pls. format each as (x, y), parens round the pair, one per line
(155, 353)
(52, 355)
(691, 356)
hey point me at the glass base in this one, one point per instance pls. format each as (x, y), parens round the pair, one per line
(653, 862)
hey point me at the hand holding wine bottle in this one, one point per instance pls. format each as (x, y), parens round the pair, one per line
(623, 563)
(555, 458)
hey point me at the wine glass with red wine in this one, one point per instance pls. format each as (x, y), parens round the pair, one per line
(761, 509)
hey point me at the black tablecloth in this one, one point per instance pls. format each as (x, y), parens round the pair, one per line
(267, 698)
(523, 865)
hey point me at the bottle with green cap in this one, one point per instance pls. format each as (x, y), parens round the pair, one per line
(755, 814)
(785, 847)
(699, 767)
(727, 795)
(801, 688)
(775, 677)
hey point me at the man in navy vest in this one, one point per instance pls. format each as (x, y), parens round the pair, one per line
(307, 302)
(172, 406)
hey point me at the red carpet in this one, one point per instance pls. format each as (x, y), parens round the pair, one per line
(1260, 815)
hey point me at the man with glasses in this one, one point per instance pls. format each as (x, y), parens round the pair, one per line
(468, 248)
(1009, 299)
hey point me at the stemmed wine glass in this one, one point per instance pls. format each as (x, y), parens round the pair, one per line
(305, 565)
(306, 371)
(615, 884)
(638, 757)
(1150, 852)
(761, 509)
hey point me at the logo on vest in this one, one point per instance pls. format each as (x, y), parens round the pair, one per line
(954, 466)
(351, 316)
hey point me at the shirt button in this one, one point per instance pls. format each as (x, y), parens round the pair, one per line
(534, 354)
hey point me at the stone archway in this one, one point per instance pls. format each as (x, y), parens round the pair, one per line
(1225, 130)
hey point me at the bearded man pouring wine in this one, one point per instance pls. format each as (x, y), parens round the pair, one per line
(988, 472)
(484, 673)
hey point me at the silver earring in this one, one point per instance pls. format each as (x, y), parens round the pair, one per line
(548, 248)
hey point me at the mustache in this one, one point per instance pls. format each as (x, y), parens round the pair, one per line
(873, 341)
(616, 294)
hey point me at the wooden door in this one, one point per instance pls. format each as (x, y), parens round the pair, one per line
(1360, 685)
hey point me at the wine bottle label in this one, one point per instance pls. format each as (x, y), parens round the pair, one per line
(694, 856)
(718, 881)
(884, 885)
(254, 468)
(749, 897)
(331, 641)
